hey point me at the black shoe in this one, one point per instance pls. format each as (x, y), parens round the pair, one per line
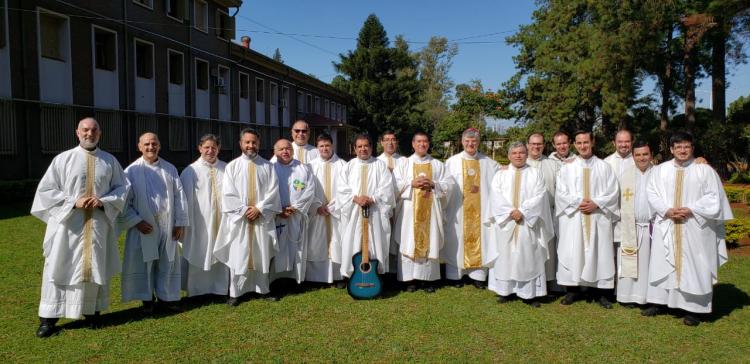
(628, 305)
(411, 288)
(233, 301)
(148, 307)
(503, 299)
(94, 321)
(429, 289)
(172, 306)
(340, 284)
(271, 298)
(46, 327)
(691, 320)
(604, 302)
(478, 284)
(651, 311)
(533, 303)
(570, 298)
(458, 284)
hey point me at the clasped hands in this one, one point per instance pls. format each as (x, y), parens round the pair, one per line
(146, 228)
(286, 212)
(423, 183)
(516, 215)
(363, 201)
(587, 206)
(88, 203)
(679, 214)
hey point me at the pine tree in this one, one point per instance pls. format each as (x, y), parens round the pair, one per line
(277, 56)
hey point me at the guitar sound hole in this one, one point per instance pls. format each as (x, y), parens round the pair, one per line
(364, 267)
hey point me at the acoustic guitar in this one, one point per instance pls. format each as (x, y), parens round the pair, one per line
(365, 282)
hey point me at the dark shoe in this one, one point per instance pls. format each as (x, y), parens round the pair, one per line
(271, 298)
(411, 288)
(46, 327)
(604, 302)
(148, 307)
(570, 298)
(94, 321)
(651, 311)
(691, 320)
(628, 305)
(172, 306)
(478, 284)
(533, 303)
(503, 299)
(340, 284)
(233, 301)
(429, 289)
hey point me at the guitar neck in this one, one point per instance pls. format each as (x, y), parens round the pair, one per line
(365, 241)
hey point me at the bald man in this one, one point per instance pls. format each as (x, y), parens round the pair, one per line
(79, 198)
(155, 217)
(301, 151)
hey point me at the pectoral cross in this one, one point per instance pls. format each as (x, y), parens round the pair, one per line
(628, 194)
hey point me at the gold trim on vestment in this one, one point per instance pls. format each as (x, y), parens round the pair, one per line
(678, 225)
(88, 225)
(215, 203)
(472, 205)
(251, 201)
(516, 199)
(587, 196)
(301, 154)
(422, 212)
(363, 192)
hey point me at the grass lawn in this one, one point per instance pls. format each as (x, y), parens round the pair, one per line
(454, 324)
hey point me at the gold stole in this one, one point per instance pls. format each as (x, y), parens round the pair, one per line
(251, 201)
(88, 225)
(586, 195)
(678, 225)
(301, 154)
(390, 163)
(422, 213)
(363, 192)
(215, 203)
(472, 209)
(327, 192)
(516, 199)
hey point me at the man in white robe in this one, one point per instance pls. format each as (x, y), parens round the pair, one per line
(297, 195)
(634, 252)
(466, 209)
(301, 151)
(246, 241)
(586, 205)
(622, 158)
(561, 143)
(521, 226)
(79, 198)
(549, 169)
(688, 244)
(389, 143)
(324, 248)
(202, 274)
(423, 185)
(365, 182)
(155, 217)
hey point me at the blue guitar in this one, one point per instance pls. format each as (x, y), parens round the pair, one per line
(365, 282)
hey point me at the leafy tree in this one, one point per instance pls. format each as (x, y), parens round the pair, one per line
(435, 61)
(382, 81)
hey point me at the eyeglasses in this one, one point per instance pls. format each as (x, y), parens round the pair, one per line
(299, 131)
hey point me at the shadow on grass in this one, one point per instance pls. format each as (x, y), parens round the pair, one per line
(15, 209)
(727, 298)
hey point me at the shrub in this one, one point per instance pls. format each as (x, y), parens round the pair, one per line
(738, 193)
(737, 230)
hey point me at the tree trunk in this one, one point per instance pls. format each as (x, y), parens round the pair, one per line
(689, 86)
(718, 75)
(666, 97)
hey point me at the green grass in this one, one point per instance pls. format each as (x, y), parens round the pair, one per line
(454, 324)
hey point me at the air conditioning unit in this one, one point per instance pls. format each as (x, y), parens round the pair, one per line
(221, 85)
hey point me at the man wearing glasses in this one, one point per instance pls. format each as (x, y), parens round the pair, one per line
(303, 152)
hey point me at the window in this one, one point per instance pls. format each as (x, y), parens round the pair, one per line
(144, 59)
(300, 101)
(105, 49)
(308, 103)
(317, 105)
(222, 80)
(2, 23)
(53, 34)
(343, 113)
(244, 86)
(201, 74)
(326, 109)
(176, 65)
(260, 91)
(284, 97)
(333, 110)
(145, 3)
(274, 94)
(224, 25)
(338, 112)
(201, 15)
(175, 9)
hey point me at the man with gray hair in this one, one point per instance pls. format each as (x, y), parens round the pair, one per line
(468, 205)
(520, 218)
(79, 198)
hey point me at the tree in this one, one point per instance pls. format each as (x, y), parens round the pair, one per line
(277, 56)
(382, 81)
(435, 61)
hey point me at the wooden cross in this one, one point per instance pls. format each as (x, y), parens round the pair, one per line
(628, 194)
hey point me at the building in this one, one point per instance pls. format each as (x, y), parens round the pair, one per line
(168, 66)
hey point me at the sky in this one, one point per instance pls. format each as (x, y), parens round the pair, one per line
(316, 32)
